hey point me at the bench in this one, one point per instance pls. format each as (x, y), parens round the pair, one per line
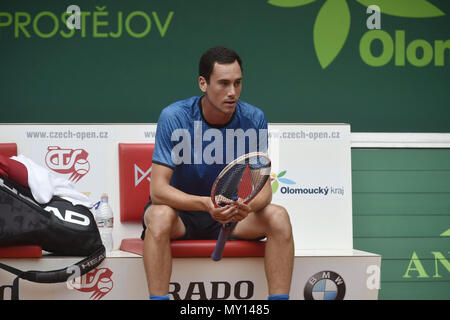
(133, 157)
(322, 225)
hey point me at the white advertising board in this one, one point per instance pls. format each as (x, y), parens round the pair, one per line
(311, 167)
(349, 276)
(311, 171)
(311, 178)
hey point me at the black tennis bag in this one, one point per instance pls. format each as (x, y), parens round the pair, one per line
(58, 227)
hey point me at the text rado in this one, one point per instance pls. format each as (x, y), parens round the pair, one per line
(214, 290)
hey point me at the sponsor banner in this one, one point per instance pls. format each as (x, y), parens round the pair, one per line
(311, 177)
(355, 276)
(358, 61)
(311, 171)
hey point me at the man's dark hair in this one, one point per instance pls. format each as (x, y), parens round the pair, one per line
(219, 54)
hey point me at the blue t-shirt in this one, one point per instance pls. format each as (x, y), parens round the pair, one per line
(198, 151)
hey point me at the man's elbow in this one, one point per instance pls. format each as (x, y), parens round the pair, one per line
(155, 194)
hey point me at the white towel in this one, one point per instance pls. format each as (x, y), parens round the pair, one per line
(45, 184)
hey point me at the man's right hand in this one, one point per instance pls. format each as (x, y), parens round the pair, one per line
(223, 214)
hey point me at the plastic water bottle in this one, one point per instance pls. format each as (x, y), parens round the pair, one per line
(105, 222)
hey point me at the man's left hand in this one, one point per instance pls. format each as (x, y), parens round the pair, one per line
(242, 212)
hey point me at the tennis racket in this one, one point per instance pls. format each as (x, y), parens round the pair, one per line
(242, 179)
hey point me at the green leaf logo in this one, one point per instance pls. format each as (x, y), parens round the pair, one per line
(277, 178)
(331, 30)
(281, 174)
(332, 24)
(275, 185)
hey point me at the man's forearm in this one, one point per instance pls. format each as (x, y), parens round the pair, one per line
(174, 198)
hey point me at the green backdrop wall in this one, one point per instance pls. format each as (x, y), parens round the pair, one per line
(401, 210)
(304, 60)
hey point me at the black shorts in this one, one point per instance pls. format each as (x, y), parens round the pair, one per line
(199, 225)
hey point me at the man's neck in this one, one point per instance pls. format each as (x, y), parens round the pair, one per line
(212, 115)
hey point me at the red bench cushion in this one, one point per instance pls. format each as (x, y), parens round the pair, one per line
(135, 163)
(201, 248)
(21, 252)
(8, 149)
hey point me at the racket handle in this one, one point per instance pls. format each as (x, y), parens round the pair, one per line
(220, 244)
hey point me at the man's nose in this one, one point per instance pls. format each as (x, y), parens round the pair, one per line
(232, 91)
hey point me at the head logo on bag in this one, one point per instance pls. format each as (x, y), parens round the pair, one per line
(69, 216)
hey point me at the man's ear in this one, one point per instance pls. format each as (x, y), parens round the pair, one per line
(202, 83)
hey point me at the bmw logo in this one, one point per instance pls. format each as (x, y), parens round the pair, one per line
(325, 285)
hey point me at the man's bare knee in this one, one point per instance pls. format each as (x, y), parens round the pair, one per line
(278, 221)
(159, 220)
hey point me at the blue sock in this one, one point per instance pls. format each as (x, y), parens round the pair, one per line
(155, 297)
(279, 297)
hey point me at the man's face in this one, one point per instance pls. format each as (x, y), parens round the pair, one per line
(224, 87)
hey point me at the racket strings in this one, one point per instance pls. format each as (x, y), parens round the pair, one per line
(242, 180)
(228, 186)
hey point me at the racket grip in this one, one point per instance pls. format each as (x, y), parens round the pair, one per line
(220, 244)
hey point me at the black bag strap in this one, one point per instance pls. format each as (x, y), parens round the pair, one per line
(62, 275)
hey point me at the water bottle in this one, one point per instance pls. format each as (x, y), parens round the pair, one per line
(105, 221)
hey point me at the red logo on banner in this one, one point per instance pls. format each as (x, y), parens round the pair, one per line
(135, 169)
(65, 161)
(98, 281)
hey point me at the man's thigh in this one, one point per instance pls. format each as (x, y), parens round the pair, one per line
(159, 216)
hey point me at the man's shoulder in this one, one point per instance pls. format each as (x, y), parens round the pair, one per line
(250, 111)
(181, 105)
(182, 110)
